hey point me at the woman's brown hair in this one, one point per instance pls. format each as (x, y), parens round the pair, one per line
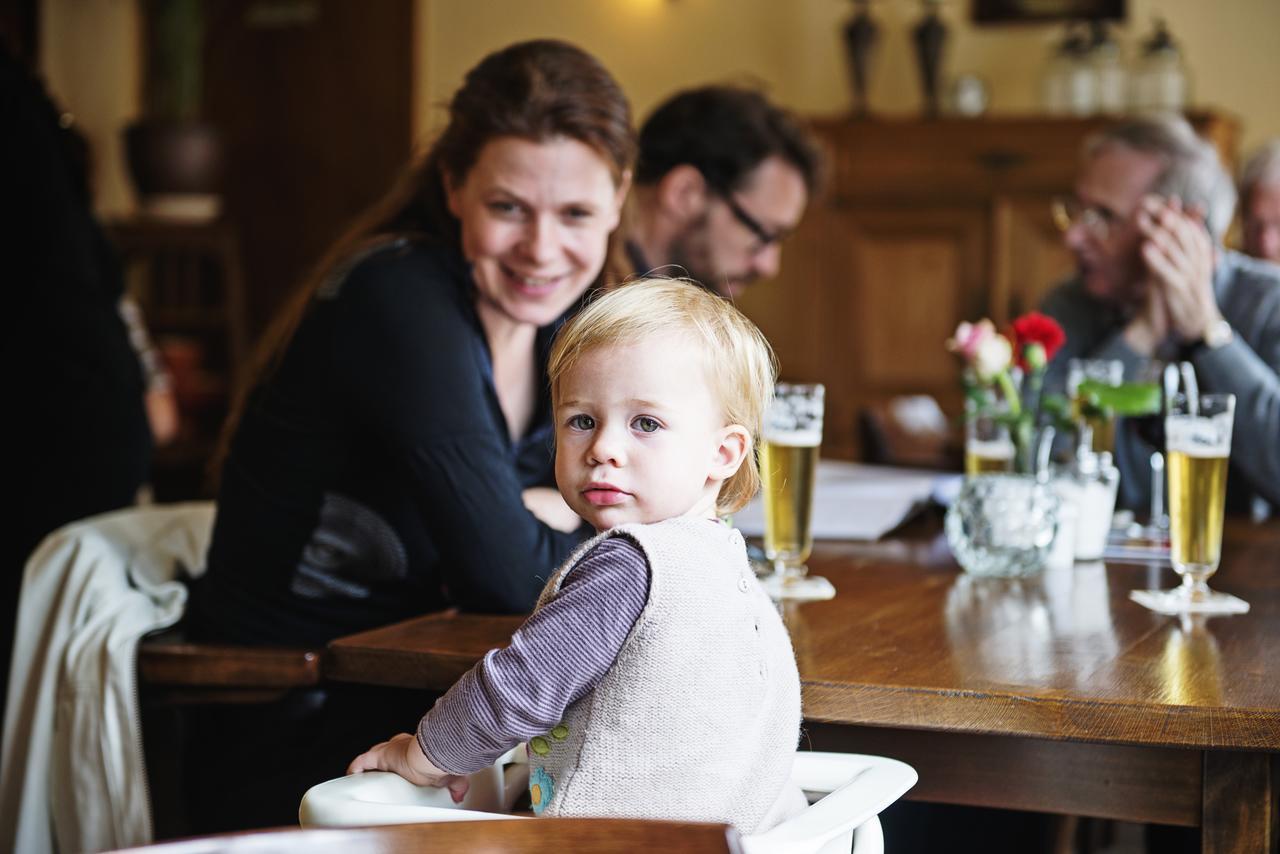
(535, 90)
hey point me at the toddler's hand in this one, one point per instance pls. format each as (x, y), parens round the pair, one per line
(403, 756)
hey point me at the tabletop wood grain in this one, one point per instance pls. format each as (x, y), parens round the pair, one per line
(911, 641)
(605, 835)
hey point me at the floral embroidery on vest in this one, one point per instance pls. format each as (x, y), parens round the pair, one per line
(541, 789)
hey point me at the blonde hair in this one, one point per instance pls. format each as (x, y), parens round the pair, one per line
(739, 361)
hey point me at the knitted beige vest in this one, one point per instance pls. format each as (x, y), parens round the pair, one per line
(699, 716)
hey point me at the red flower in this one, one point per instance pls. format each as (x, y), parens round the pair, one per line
(1036, 328)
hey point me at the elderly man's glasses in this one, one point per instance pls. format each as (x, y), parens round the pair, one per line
(764, 236)
(1068, 212)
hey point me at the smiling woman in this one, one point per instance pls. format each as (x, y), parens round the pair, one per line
(532, 216)
(393, 455)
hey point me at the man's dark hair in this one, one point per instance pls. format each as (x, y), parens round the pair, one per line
(724, 132)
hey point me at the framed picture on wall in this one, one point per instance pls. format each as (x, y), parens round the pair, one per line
(1043, 11)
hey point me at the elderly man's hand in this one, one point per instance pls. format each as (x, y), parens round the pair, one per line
(1179, 256)
(1149, 326)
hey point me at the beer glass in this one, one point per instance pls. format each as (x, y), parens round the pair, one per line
(788, 469)
(988, 447)
(1109, 372)
(1198, 443)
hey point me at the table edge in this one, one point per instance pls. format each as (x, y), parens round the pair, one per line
(1011, 714)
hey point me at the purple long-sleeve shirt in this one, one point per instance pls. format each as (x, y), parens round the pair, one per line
(556, 657)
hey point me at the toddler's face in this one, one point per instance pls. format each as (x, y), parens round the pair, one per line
(640, 436)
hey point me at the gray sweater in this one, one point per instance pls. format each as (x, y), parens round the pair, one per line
(1248, 293)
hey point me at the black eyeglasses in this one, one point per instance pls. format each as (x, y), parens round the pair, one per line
(763, 235)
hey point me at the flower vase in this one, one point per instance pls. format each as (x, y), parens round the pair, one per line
(1003, 525)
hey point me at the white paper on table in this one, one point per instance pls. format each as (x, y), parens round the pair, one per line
(852, 501)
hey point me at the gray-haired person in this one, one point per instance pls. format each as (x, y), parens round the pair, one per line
(1155, 283)
(1260, 203)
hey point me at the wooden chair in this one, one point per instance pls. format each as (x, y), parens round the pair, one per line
(178, 672)
(174, 674)
(496, 837)
(911, 432)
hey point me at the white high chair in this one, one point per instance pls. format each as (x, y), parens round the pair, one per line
(847, 791)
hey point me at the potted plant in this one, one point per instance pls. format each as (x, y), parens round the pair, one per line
(175, 158)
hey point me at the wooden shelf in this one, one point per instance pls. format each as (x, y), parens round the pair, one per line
(187, 279)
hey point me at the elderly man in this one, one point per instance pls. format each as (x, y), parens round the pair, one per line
(1154, 283)
(1260, 203)
(722, 178)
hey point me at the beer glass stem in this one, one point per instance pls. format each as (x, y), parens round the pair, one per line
(1195, 587)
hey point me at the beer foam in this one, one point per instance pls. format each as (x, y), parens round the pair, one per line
(1198, 437)
(794, 438)
(992, 449)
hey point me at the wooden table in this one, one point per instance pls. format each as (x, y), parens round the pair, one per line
(1055, 694)
(599, 835)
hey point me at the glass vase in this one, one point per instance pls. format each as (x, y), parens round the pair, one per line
(1003, 525)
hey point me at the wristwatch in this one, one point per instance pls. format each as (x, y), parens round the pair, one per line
(1219, 334)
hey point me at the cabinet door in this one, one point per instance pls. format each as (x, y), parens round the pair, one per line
(314, 102)
(865, 302)
(1028, 257)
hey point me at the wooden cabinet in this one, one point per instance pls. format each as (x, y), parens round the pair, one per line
(187, 280)
(924, 224)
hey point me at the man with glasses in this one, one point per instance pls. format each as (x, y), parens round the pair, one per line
(722, 178)
(1154, 283)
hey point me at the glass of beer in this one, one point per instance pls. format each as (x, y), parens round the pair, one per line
(1092, 373)
(988, 447)
(788, 469)
(1198, 449)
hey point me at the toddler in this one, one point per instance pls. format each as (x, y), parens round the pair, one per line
(654, 678)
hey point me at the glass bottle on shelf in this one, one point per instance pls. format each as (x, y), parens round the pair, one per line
(1160, 81)
(1110, 79)
(1067, 87)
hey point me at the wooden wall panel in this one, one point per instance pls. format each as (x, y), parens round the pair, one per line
(869, 298)
(1027, 255)
(914, 274)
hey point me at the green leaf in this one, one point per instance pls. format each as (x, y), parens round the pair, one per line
(980, 395)
(1123, 399)
(1056, 409)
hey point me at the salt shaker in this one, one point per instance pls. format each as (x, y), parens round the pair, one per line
(1096, 479)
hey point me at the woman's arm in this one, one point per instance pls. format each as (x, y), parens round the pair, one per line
(549, 506)
(413, 370)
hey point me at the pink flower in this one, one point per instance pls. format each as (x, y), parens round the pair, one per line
(969, 337)
(981, 348)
